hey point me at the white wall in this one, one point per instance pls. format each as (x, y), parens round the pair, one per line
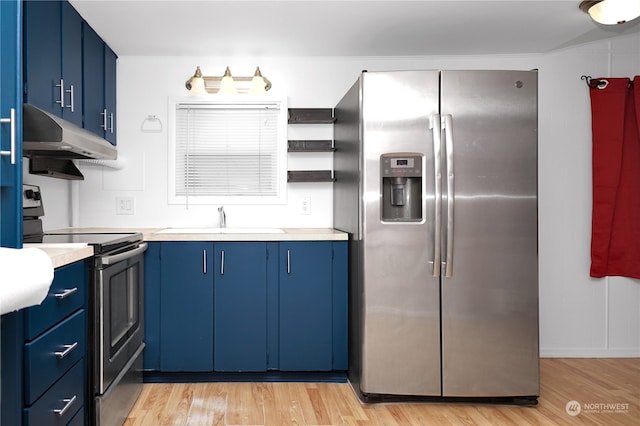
(579, 316)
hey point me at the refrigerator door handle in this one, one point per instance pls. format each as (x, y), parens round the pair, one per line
(437, 170)
(448, 136)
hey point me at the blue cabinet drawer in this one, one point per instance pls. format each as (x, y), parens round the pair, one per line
(60, 403)
(49, 356)
(78, 419)
(66, 294)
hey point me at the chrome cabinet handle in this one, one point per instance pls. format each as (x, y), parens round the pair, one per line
(204, 261)
(110, 122)
(67, 351)
(222, 262)
(436, 128)
(288, 262)
(61, 86)
(104, 119)
(71, 96)
(12, 121)
(448, 128)
(69, 402)
(66, 293)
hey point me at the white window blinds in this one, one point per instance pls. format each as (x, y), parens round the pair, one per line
(227, 150)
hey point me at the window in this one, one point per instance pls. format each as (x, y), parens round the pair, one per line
(227, 152)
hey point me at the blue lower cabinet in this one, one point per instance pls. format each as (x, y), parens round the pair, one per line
(306, 306)
(66, 295)
(240, 307)
(246, 306)
(53, 353)
(340, 294)
(61, 402)
(78, 419)
(152, 285)
(186, 305)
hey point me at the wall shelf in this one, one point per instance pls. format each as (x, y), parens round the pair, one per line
(294, 176)
(325, 145)
(311, 116)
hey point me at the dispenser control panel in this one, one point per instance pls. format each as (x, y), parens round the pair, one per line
(406, 166)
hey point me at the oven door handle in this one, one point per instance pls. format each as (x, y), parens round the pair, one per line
(110, 260)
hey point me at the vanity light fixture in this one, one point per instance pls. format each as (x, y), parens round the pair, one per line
(611, 12)
(228, 84)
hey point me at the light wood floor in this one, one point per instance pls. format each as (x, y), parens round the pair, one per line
(593, 383)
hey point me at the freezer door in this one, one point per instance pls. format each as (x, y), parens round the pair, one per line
(400, 325)
(490, 299)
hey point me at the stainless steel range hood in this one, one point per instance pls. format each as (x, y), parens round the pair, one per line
(45, 135)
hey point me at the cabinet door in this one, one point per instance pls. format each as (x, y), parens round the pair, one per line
(93, 77)
(42, 53)
(186, 324)
(305, 306)
(11, 203)
(110, 93)
(152, 286)
(240, 306)
(11, 106)
(72, 63)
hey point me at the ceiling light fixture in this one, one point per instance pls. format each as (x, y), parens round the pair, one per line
(228, 84)
(611, 12)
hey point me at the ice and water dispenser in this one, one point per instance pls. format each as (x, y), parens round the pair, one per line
(401, 196)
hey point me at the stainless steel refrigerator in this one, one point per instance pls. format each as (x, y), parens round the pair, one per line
(436, 183)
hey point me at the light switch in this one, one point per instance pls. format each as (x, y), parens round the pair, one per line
(125, 205)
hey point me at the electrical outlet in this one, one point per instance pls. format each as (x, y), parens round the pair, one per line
(125, 205)
(305, 205)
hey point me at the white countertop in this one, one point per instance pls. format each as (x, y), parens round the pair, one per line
(63, 254)
(288, 234)
(247, 234)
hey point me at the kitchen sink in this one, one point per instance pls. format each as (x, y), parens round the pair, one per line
(221, 231)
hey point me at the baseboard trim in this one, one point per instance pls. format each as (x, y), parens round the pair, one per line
(589, 353)
(270, 376)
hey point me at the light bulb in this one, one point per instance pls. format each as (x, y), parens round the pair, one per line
(227, 85)
(258, 85)
(197, 84)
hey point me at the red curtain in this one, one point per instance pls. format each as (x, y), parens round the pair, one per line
(615, 236)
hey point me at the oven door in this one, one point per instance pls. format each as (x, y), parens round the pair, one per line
(119, 325)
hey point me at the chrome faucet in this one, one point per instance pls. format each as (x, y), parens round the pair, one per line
(222, 217)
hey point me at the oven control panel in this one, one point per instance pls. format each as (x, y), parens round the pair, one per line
(32, 201)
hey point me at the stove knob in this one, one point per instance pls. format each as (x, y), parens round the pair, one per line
(29, 194)
(37, 196)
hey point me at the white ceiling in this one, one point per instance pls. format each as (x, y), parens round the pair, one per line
(341, 28)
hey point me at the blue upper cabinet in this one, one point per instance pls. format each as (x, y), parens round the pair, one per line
(53, 58)
(11, 198)
(99, 77)
(11, 124)
(110, 93)
(69, 70)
